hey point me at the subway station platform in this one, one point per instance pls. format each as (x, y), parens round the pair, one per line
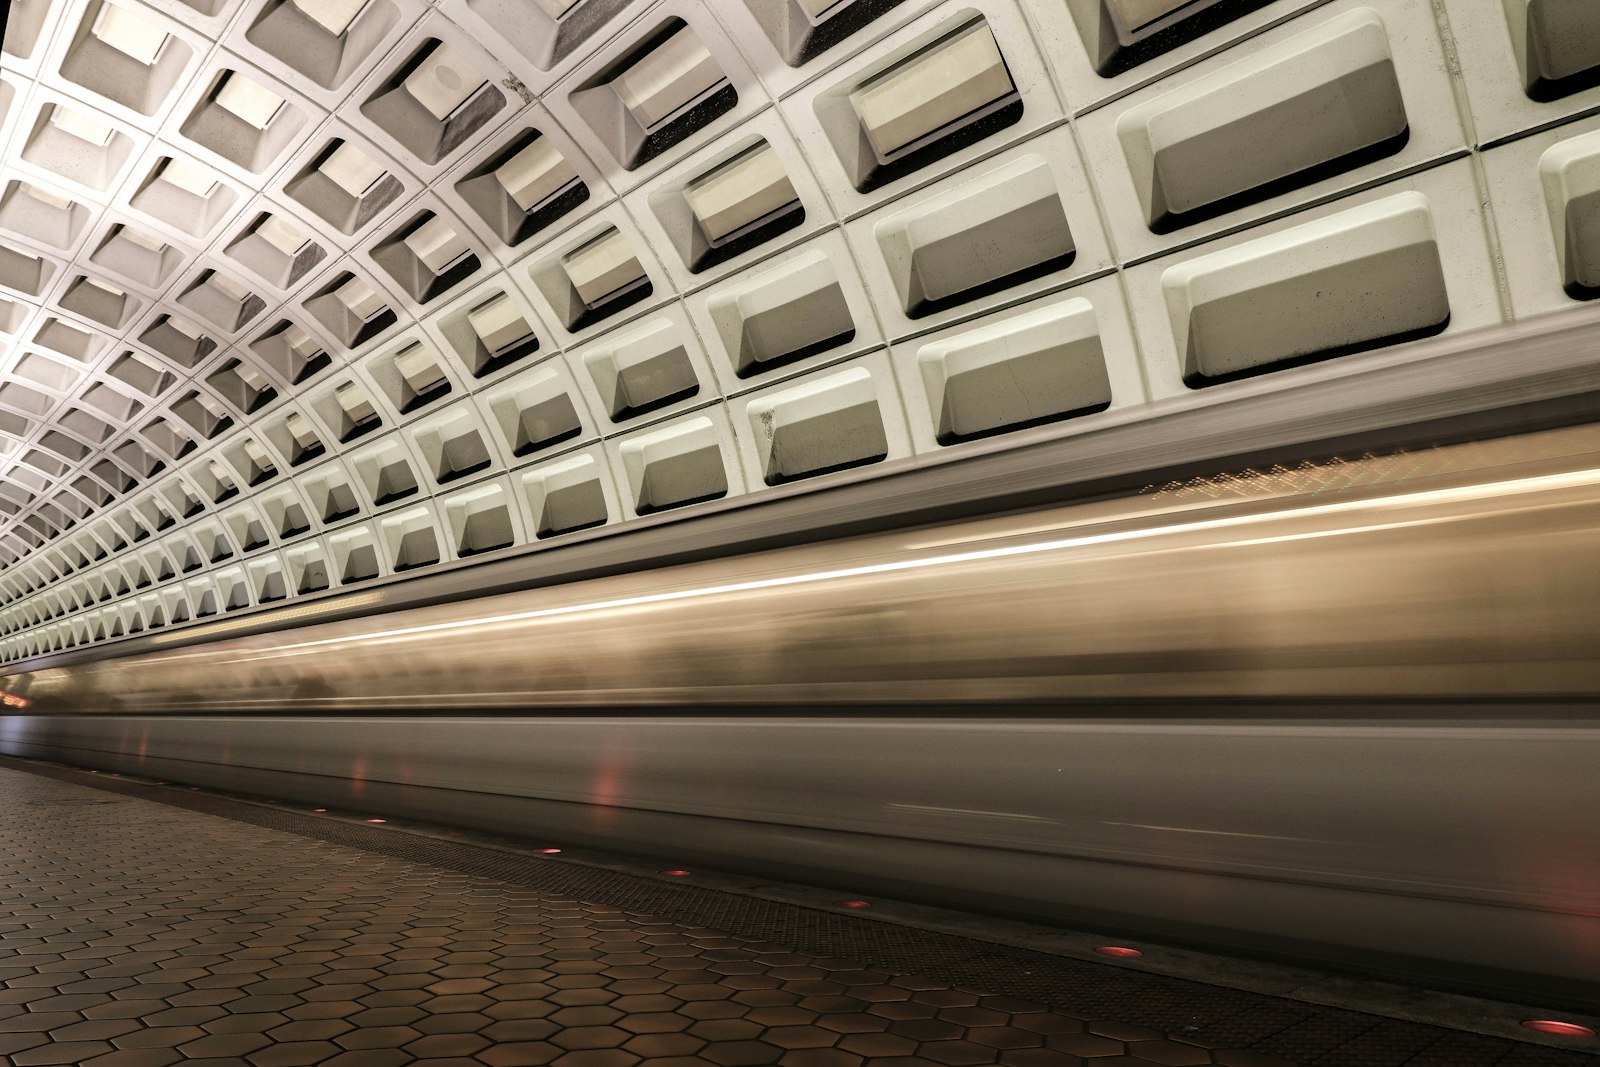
(145, 924)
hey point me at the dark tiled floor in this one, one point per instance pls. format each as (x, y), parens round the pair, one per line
(134, 934)
(141, 934)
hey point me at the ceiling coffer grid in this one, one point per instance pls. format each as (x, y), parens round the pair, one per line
(297, 294)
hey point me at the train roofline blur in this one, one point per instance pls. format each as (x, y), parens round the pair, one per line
(1535, 374)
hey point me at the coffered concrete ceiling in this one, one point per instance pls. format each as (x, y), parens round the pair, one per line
(299, 294)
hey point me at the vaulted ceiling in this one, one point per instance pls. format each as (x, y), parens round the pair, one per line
(297, 294)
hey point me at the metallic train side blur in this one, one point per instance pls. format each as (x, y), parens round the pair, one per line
(1332, 713)
(1478, 579)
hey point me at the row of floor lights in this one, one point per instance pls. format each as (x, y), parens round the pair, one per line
(1553, 1027)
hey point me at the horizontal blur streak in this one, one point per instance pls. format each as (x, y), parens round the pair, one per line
(1462, 844)
(1502, 490)
(1463, 571)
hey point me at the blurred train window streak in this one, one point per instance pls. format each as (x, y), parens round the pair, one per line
(1006, 532)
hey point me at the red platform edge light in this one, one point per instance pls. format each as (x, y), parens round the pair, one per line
(1119, 951)
(1558, 1028)
(676, 872)
(377, 820)
(855, 904)
(547, 851)
(319, 809)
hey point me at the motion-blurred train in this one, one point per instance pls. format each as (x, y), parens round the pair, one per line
(1339, 712)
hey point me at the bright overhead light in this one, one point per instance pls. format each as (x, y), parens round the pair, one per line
(437, 245)
(192, 330)
(280, 235)
(215, 409)
(602, 267)
(257, 454)
(189, 176)
(300, 342)
(82, 125)
(300, 429)
(45, 196)
(444, 81)
(535, 174)
(740, 192)
(1137, 13)
(104, 287)
(130, 34)
(674, 73)
(228, 287)
(358, 296)
(499, 324)
(556, 8)
(335, 16)
(142, 239)
(924, 95)
(419, 369)
(817, 10)
(251, 376)
(254, 103)
(351, 169)
(356, 404)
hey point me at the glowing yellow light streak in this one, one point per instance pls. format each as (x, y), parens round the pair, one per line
(1540, 483)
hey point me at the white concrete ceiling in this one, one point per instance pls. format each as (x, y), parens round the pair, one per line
(295, 294)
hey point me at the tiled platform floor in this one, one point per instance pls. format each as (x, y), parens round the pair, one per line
(141, 934)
